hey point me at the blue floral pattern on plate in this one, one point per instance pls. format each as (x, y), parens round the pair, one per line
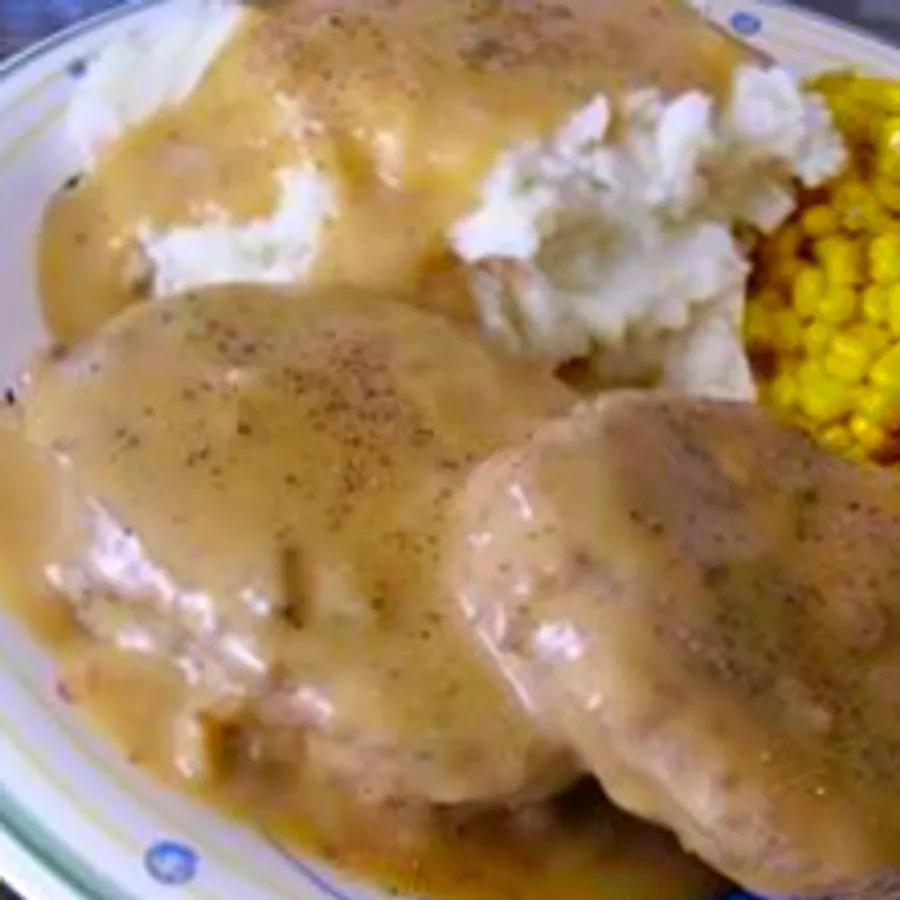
(746, 24)
(172, 863)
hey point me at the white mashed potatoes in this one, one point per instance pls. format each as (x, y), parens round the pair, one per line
(613, 237)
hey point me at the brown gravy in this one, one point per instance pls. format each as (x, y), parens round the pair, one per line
(450, 85)
(403, 106)
(579, 848)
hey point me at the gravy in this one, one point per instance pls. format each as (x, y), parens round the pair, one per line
(403, 106)
(577, 848)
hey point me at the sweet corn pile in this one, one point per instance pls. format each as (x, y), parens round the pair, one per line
(823, 318)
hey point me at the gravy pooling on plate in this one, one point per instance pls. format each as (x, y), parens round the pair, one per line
(403, 106)
(239, 504)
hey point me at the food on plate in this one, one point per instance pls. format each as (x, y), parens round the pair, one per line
(309, 472)
(516, 163)
(823, 317)
(267, 517)
(243, 509)
(706, 604)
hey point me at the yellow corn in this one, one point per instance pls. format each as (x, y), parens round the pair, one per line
(836, 438)
(820, 220)
(759, 326)
(858, 208)
(887, 191)
(882, 92)
(875, 300)
(876, 339)
(817, 336)
(889, 147)
(849, 357)
(881, 406)
(841, 258)
(868, 435)
(826, 301)
(887, 162)
(767, 297)
(893, 309)
(884, 258)
(784, 391)
(786, 242)
(886, 371)
(824, 398)
(808, 289)
(838, 305)
(787, 330)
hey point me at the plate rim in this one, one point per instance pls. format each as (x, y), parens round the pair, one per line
(19, 60)
(21, 830)
(22, 834)
(825, 18)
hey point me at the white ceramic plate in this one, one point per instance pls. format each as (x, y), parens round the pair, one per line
(75, 821)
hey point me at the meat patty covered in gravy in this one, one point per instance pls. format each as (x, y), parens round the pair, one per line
(266, 479)
(708, 608)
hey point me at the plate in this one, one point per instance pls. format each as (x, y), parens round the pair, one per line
(75, 820)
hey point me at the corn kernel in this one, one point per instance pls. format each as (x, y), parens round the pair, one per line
(842, 260)
(809, 368)
(832, 323)
(849, 357)
(768, 297)
(860, 209)
(888, 193)
(849, 191)
(889, 136)
(886, 371)
(820, 220)
(882, 92)
(888, 148)
(817, 336)
(852, 118)
(893, 309)
(868, 435)
(783, 391)
(759, 326)
(836, 438)
(875, 303)
(881, 406)
(786, 241)
(836, 81)
(838, 305)
(809, 287)
(884, 258)
(787, 330)
(888, 165)
(824, 398)
(785, 270)
(876, 338)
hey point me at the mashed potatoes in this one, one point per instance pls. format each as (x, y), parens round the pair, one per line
(612, 237)
(617, 232)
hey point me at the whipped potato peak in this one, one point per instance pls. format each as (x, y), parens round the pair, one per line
(616, 234)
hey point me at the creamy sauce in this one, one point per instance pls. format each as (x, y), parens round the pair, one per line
(577, 848)
(724, 645)
(403, 106)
